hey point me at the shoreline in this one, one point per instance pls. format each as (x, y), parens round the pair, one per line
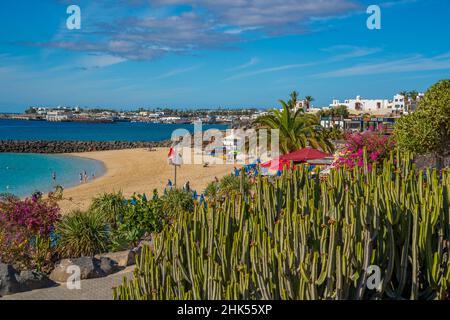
(24, 174)
(136, 171)
(74, 146)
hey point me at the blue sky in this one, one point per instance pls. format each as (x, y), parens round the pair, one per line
(217, 53)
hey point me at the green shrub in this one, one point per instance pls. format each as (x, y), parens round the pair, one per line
(227, 186)
(82, 234)
(176, 201)
(232, 184)
(139, 216)
(111, 205)
(212, 190)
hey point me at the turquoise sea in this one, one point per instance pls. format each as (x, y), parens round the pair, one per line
(22, 174)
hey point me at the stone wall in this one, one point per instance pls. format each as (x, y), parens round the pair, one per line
(17, 146)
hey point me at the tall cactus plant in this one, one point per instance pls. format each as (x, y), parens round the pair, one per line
(309, 238)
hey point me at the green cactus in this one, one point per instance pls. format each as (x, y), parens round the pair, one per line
(308, 238)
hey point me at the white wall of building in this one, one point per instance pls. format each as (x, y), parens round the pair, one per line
(365, 105)
(58, 115)
(377, 106)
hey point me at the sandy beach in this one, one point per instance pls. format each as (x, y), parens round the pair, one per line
(137, 171)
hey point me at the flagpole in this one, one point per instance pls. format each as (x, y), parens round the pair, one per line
(175, 179)
(175, 160)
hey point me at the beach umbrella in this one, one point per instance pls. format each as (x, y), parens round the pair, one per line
(304, 155)
(276, 164)
(273, 166)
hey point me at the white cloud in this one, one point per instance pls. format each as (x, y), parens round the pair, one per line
(410, 64)
(253, 61)
(268, 70)
(99, 61)
(176, 72)
(209, 24)
(339, 53)
(343, 52)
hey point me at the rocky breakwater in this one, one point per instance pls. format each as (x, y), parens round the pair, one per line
(18, 146)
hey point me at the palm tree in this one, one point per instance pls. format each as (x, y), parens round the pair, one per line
(292, 103)
(413, 95)
(405, 95)
(308, 100)
(297, 130)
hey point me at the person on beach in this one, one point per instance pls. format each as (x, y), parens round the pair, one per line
(85, 177)
(81, 177)
(187, 187)
(54, 176)
(169, 184)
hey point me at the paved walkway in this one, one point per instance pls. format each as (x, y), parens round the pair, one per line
(92, 289)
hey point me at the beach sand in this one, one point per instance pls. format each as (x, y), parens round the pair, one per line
(137, 171)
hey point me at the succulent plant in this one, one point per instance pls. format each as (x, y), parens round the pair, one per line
(303, 237)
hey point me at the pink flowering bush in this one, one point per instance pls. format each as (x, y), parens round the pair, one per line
(376, 144)
(26, 227)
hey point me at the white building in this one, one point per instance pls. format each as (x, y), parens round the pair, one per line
(378, 106)
(302, 104)
(58, 115)
(399, 102)
(360, 105)
(170, 119)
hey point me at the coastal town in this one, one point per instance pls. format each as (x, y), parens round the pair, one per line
(355, 114)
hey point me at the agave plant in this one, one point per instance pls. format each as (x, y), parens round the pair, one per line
(82, 234)
(111, 205)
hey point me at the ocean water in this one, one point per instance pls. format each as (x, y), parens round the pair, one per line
(119, 131)
(23, 174)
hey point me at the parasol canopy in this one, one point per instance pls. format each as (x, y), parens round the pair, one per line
(302, 155)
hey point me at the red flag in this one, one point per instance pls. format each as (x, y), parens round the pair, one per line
(174, 157)
(171, 153)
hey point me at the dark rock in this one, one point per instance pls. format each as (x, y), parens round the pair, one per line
(106, 265)
(9, 283)
(87, 267)
(32, 280)
(90, 268)
(74, 146)
(122, 258)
